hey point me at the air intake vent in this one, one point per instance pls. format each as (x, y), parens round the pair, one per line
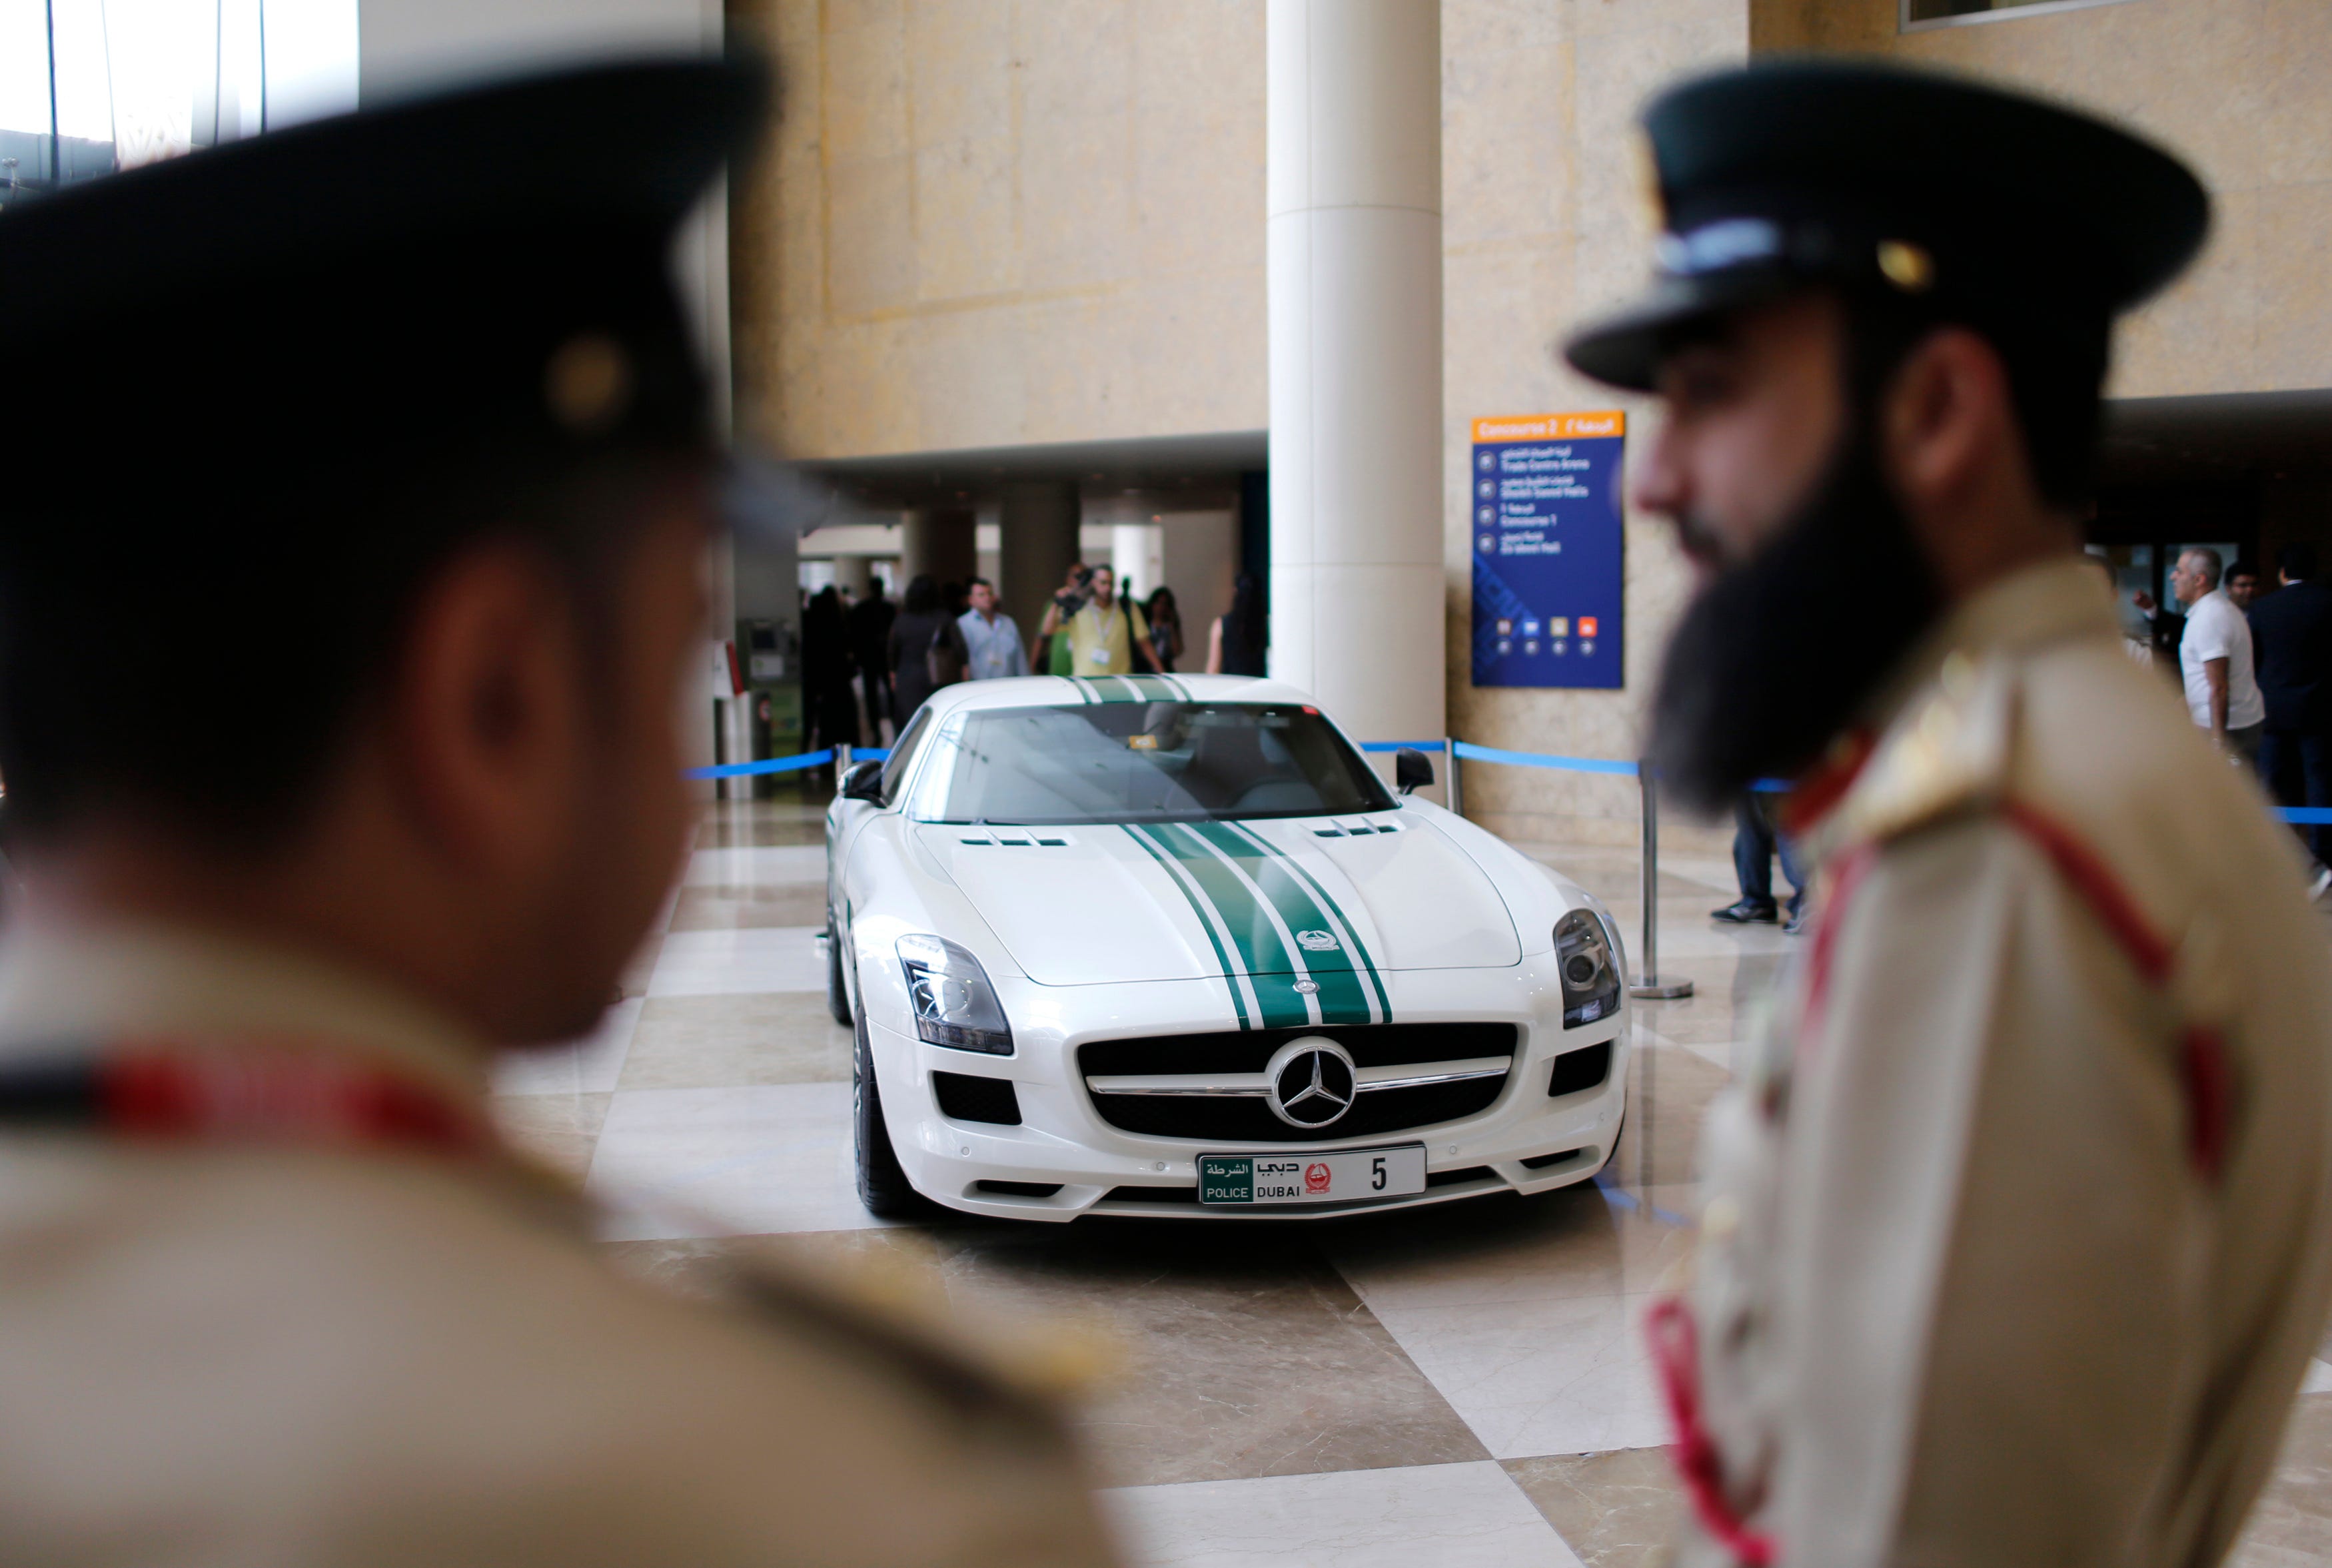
(1017, 1188)
(965, 1099)
(1576, 1071)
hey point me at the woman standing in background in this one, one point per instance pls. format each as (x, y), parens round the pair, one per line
(927, 649)
(1165, 628)
(1235, 646)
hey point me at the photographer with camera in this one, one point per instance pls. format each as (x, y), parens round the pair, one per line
(1102, 634)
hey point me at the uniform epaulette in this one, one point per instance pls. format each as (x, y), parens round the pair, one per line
(1948, 751)
(898, 1319)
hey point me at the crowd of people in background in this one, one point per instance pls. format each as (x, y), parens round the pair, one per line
(2256, 672)
(869, 662)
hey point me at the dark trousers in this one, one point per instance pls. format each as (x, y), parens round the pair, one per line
(2298, 769)
(1754, 843)
(876, 686)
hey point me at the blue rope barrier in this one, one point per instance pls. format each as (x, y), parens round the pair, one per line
(2304, 815)
(771, 765)
(1472, 753)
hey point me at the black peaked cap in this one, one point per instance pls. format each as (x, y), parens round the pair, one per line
(217, 344)
(1995, 205)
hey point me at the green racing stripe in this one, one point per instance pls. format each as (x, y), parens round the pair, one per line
(1241, 989)
(1341, 924)
(1254, 902)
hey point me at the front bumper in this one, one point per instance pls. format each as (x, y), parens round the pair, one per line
(1063, 1143)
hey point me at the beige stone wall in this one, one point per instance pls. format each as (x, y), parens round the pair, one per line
(2237, 87)
(990, 223)
(1545, 222)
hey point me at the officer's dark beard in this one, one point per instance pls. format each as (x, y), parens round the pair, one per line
(1772, 660)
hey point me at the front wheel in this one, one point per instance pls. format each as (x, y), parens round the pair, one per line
(883, 1184)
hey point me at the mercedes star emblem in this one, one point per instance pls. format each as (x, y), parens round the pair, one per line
(1312, 1082)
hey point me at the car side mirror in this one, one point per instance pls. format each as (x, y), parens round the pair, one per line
(864, 782)
(1412, 770)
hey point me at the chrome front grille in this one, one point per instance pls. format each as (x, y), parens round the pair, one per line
(1214, 1088)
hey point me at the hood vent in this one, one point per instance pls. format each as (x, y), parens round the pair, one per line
(1357, 829)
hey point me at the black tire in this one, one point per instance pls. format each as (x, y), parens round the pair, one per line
(837, 994)
(883, 1184)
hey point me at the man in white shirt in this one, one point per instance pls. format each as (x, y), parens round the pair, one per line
(2215, 657)
(990, 635)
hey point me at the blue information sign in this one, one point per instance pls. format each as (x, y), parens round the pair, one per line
(1547, 549)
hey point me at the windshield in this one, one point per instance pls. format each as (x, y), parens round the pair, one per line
(1119, 762)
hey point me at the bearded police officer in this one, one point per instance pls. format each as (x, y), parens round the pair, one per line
(348, 587)
(2015, 1242)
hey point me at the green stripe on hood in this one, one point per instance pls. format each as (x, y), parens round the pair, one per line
(1186, 886)
(1269, 960)
(1349, 929)
(1344, 996)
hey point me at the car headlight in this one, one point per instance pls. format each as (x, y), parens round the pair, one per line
(1590, 969)
(954, 1005)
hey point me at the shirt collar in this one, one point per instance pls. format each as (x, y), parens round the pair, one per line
(60, 982)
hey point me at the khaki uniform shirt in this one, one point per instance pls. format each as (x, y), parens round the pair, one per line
(222, 1354)
(2015, 1247)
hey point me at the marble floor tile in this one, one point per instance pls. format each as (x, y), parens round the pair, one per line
(1616, 1510)
(1468, 1516)
(722, 908)
(2292, 1524)
(716, 1041)
(1242, 1355)
(1212, 1362)
(728, 1161)
(769, 866)
(797, 817)
(1573, 1242)
(1699, 938)
(1538, 1376)
(1669, 1091)
(727, 962)
(560, 1129)
(641, 966)
(587, 1066)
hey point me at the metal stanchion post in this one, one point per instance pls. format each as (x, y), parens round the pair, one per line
(841, 762)
(1650, 984)
(1449, 771)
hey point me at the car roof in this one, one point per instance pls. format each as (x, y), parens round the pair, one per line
(1065, 691)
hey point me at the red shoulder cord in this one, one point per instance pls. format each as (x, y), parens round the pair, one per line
(2203, 1066)
(207, 1090)
(2204, 1079)
(1676, 1357)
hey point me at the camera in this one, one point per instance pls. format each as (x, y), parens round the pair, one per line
(1072, 600)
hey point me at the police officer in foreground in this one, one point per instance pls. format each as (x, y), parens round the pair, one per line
(2017, 1230)
(349, 589)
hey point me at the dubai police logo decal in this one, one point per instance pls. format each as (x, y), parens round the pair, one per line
(1316, 941)
(1312, 1082)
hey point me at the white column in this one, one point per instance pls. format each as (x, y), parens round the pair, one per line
(1137, 554)
(1354, 213)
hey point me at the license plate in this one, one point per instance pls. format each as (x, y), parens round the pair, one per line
(1346, 1176)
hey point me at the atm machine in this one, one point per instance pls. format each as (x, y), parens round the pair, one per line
(774, 726)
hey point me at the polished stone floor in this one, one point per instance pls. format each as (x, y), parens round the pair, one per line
(1462, 1386)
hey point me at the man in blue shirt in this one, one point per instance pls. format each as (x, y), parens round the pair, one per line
(993, 639)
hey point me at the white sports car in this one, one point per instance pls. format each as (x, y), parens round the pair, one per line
(1166, 945)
